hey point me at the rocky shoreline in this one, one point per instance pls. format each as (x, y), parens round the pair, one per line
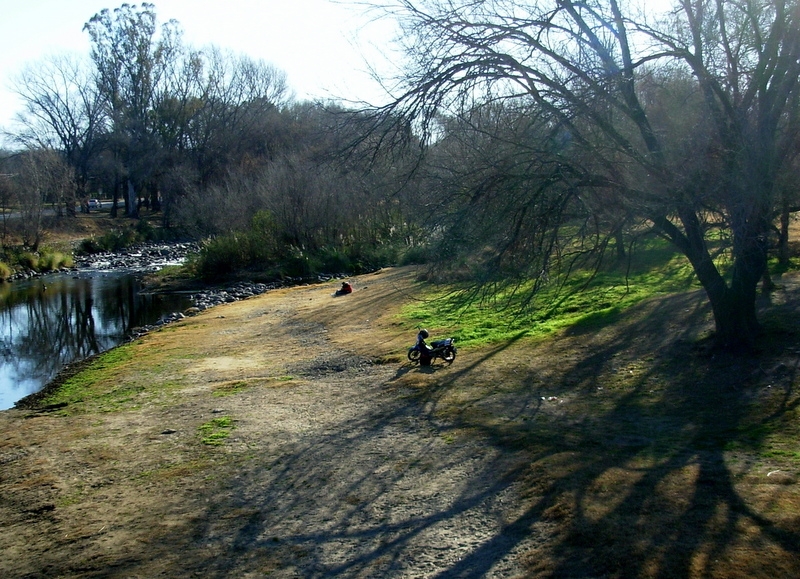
(151, 257)
(144, 257)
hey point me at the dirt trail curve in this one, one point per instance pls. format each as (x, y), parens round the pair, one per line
(336, 466)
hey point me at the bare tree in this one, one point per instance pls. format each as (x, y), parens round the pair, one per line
(240, 99)
(131, 59)
(585, 65)
(44, 177)
(62, 112)
(7, 194)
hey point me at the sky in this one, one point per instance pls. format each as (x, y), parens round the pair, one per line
(324, 46)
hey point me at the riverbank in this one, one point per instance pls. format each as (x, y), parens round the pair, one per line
(285, 435)
(56, 320)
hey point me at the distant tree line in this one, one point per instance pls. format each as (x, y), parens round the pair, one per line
(205, 138)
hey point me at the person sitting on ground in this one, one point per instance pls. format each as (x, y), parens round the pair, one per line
(345, 289)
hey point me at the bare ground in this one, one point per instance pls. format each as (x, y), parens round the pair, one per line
(620, 451)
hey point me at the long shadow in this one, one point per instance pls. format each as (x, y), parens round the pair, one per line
(306, 482)
(307, 508)
(709, 399)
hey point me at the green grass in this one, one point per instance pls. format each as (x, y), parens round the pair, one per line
(230, 388)
(581, 299)
(102, 385)
(86, 384)
(215, 431)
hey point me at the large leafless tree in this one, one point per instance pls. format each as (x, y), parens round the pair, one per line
(593, 71)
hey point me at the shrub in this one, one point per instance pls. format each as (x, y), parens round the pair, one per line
(88, 246)
(145, 231)
(369, 258)
(119, 239)
(258, 250)
(52, 261)
(221, 256)
(111, 241)
(415, 255)
(29, 260)
(254, 248)
(334, 260)
(47, 262)
(5, 271)
(298, 264)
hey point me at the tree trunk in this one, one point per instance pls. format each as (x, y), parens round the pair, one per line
(734, 305)
(114, 202)
(619, 242)
(131, 206)
(155, 203)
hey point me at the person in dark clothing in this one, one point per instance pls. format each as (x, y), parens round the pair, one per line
(421, 344)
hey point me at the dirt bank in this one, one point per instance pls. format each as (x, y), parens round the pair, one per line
(286, 436)
(330, 467)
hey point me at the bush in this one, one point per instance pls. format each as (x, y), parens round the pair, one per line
(255, 248)
(298, 264)
(5, 271)
(221, 256)
(123, 237)
(333, 260)
(416, 255)
(374, 257)
(258, 250)
(52, 261)
(29, 260)
(88, 246)
(111, 241)
(146, 232)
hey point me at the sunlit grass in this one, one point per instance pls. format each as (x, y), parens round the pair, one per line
(94, 381)
(103, 385)
(582, 298)
(215, 431)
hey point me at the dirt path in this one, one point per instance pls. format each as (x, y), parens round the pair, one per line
(335, 465)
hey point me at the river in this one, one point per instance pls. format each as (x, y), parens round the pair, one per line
(51, 321)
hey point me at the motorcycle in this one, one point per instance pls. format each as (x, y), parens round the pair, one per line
(444, 349)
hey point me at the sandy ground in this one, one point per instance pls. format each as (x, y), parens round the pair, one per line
(335, 465)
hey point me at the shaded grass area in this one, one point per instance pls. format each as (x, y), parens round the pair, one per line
(641, 451)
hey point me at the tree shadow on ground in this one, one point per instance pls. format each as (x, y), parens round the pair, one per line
(625, 451)
(640, 476)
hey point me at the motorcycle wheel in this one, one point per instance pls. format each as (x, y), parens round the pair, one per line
(413, 355)
(449, 355)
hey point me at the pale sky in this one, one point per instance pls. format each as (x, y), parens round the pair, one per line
(321, 44)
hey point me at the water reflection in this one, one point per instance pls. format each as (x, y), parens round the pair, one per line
(50, 322)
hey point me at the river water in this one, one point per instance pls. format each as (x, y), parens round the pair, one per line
(49, 322)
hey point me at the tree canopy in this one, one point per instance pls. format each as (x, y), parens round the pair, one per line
(687, 124)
